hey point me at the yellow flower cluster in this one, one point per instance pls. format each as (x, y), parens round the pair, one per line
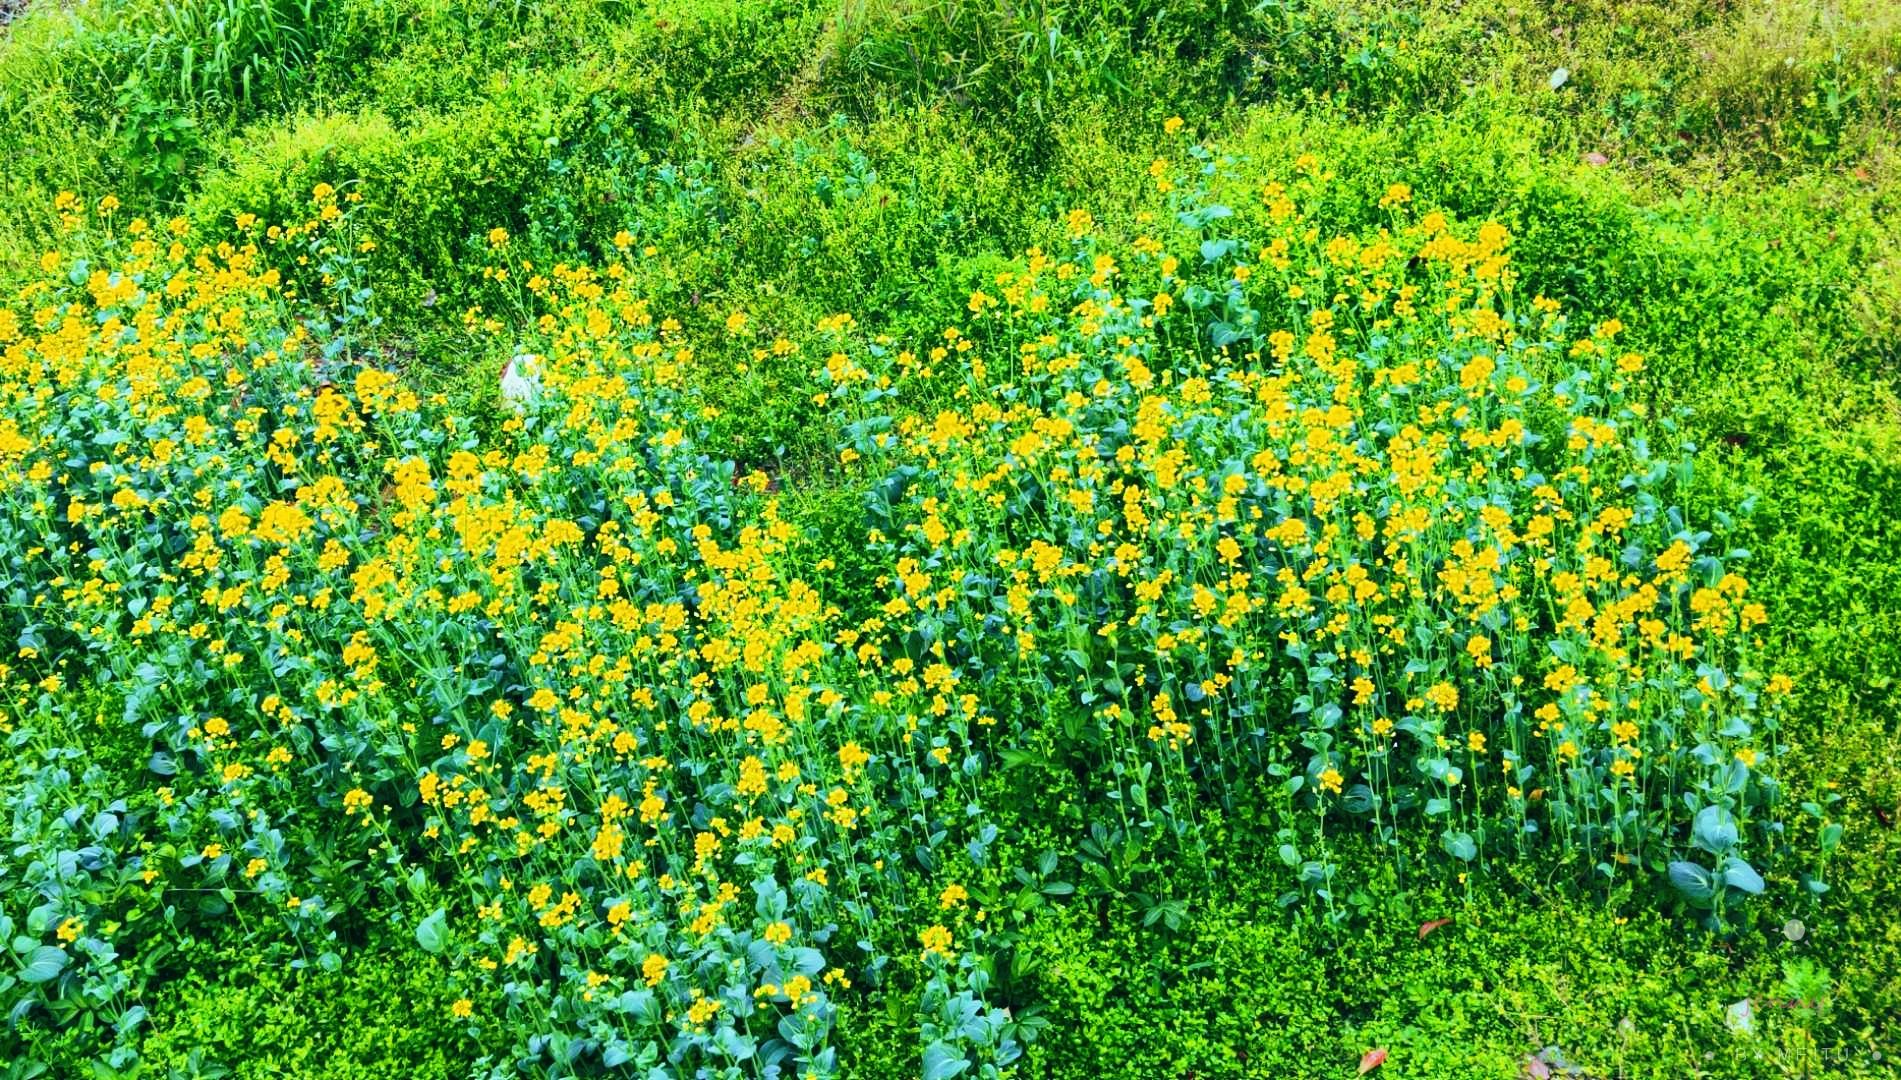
(1239, 511)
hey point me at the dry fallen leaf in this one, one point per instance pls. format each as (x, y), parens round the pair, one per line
(1428, 928)
(1371, 1059)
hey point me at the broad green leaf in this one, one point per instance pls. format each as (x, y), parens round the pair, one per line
(1692, 880)
(943, 1061)
(433, 932)
(44, 965)
(1714, 830)
(1740, 875)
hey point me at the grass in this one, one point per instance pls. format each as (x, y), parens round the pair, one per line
(1720, 177)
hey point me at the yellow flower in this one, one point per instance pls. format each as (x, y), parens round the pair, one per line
(1674, 558)
(936, 941)
(852, 757)
(653, 969)
(1479, 648)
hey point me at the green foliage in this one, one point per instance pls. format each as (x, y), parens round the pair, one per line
(1504, 981)
(229, 54)
(378, 1009)
(1716, 176)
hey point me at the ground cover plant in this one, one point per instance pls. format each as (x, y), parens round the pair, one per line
(947, 539)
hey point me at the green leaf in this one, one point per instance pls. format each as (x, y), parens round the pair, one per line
(44, 965)
(1715, 830)
(433, 932)
(1692, 880)
(130, 1019)
(1831, 836)
(1460, 846)
(943, 1061)
(1740, 875)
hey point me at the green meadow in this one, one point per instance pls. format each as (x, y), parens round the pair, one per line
(889, 538)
